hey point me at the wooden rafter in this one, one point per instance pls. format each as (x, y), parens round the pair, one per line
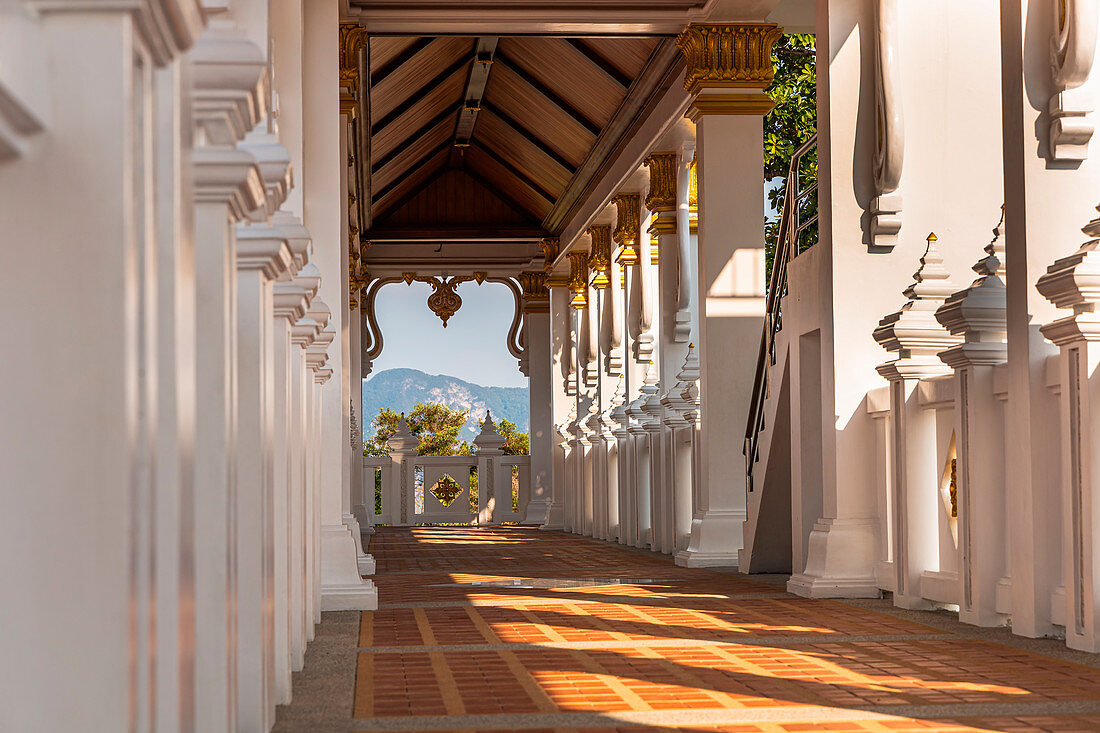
(413, 137)
(600, 62)
(416, 94)
(515, 172)
(549, 94)
(530, 136)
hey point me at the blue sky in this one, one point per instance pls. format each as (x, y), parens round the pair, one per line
(471, 347)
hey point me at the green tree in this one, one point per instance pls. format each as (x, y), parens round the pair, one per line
(787, 127)
(435, 425)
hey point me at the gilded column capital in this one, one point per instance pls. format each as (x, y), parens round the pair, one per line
(536, 295)
(599, 258)
(627, 227)
(661, 198)
(353, 37)
(550, 246)
(578, 278)
(728, 55)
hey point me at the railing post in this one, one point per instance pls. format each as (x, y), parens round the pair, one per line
(489, 474)
(399, 488)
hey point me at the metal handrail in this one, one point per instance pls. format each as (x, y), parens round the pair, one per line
(791, 227)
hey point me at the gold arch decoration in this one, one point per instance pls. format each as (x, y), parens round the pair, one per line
(444, 300)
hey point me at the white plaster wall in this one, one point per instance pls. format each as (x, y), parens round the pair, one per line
(950, 185)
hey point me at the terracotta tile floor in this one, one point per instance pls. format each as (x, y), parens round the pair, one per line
(658, 647)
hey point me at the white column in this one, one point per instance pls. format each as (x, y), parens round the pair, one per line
(290, 302)
(359, 522)
(542, 437)
(95, 507)
(342, 588)
(1046, 199)
(1071, 283)
(174, 531)
(730, 161)
(561, 371)
(304, 332)
(228, 72)
(262, 257)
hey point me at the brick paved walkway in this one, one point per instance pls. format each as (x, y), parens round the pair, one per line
(476, 632)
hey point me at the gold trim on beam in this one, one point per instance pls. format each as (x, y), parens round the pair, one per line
(729, 104)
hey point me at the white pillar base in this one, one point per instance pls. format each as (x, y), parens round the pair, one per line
(364, 559)
(537, 512)
(555, 518)
(841, 561)
(716, 539)
(342, 588)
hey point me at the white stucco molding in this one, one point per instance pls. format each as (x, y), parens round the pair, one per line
(265, 249)
(230, 78)
(166, 27)
(274, 162)
(297, 238)
(889, 153)
(228, 176)
(1072, 53)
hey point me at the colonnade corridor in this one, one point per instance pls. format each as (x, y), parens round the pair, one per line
(517, 629)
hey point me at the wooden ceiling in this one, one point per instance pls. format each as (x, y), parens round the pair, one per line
(498, 135)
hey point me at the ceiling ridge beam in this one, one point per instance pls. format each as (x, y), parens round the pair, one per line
(401, 108)
(411, 139)
(530, 136)
(599, 61)
(545, 91)
(480, 67)
(397, 61)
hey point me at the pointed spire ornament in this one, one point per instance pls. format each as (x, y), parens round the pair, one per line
(402, 440)
(978, 313)
(489, 440)
(913, 332)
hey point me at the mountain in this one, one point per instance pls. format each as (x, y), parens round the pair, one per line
(401, 389)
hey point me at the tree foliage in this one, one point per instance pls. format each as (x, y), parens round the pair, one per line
(787, 127)
(435, 425)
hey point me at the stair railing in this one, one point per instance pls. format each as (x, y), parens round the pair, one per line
(791, 226)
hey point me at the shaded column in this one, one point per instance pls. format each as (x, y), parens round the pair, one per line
(542, 437)
(727, 107)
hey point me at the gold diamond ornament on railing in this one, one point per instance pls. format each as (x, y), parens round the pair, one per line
(446, 489)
